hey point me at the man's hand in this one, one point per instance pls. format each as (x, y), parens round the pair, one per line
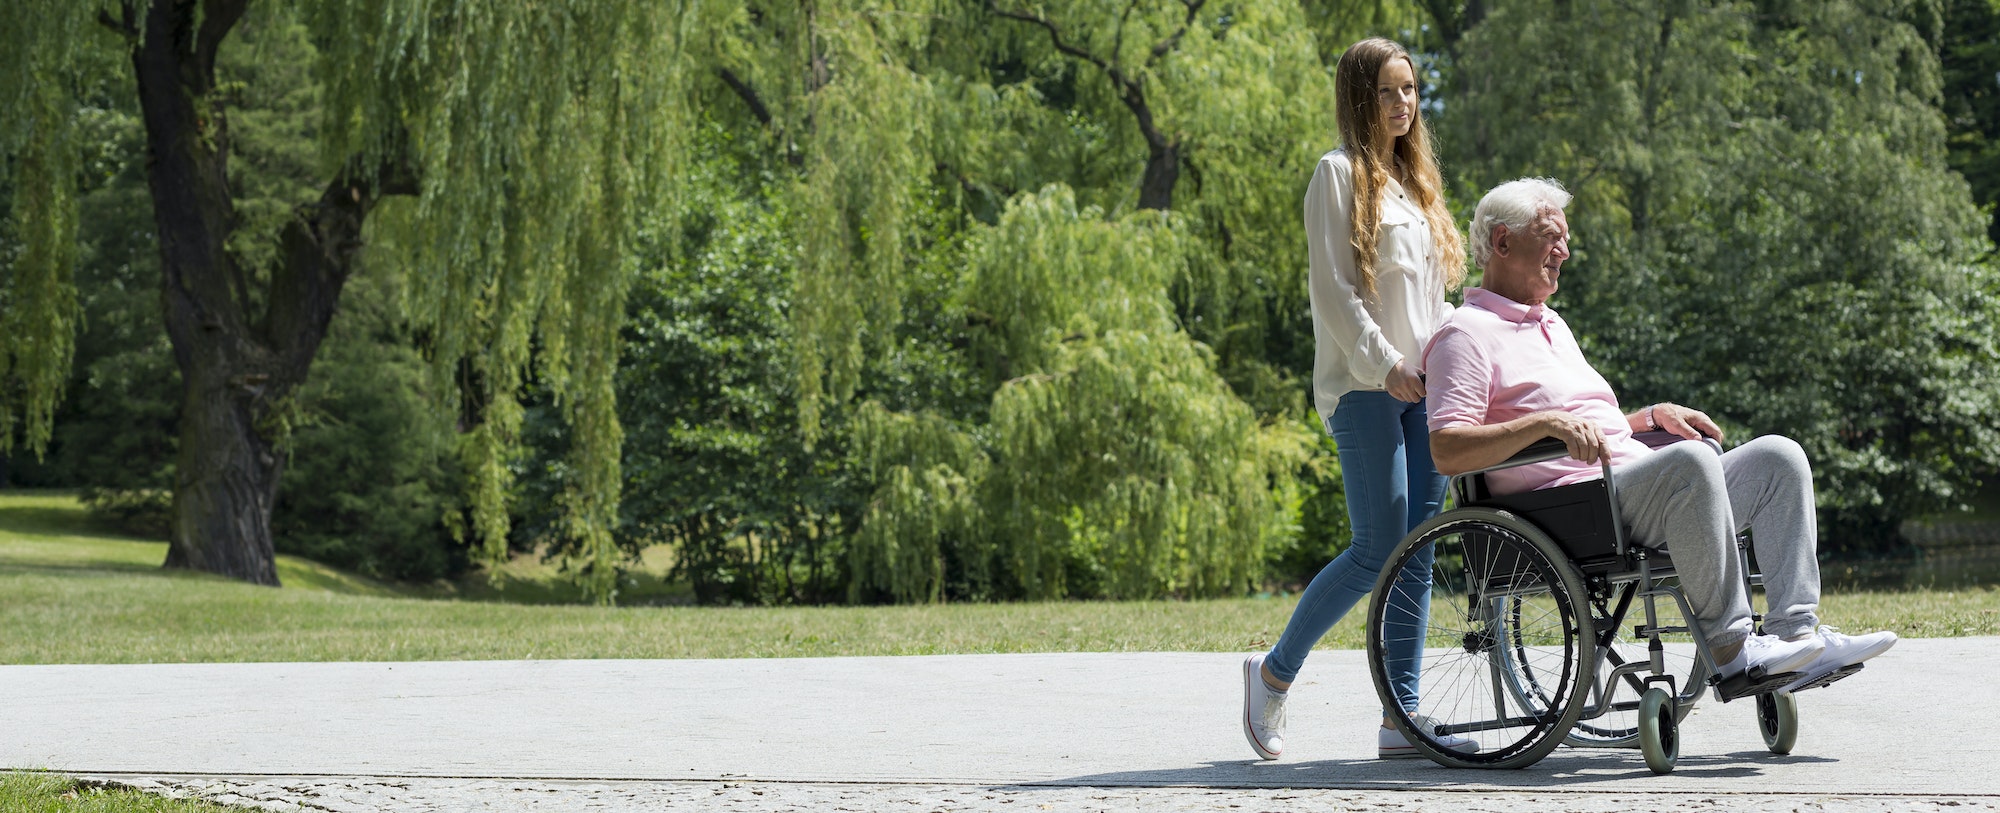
(1585, 439)
(1688, 423)
(1404, 384)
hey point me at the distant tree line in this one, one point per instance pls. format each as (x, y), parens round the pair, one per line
(992, 300)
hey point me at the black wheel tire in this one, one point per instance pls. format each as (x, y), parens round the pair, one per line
(1480, 560)
(1778, 721)
(1659, 733)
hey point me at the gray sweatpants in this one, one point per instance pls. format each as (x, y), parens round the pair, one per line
(1691, 502)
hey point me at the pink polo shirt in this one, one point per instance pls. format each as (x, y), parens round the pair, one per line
(1496, 360)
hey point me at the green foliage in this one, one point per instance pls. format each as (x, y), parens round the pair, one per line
(40, 74)
(716, 466)
(1765, 227)
(374, 485)
(1075, 334)
(714, 463)
(1970, 56)
(115, 429)
(1323, 528)
(541, 133)
(1116, 462)
(371, 484)
(893, 322)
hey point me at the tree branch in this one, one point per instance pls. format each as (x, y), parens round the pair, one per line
(318, 249)
(1173, 40)
(748, 94)
(1118, 42)
(218, 17)
(1055, 36)
(756, 103)
(127, 27)
(1162, 161)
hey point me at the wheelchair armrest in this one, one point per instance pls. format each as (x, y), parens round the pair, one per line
(1537, 452)
(1657, 438)
(1548, 449)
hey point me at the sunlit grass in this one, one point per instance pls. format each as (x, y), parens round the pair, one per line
(71, 594)
(27, 792)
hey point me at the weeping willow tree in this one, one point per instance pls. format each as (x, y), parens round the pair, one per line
(509, 144)
(1135, 172)
(1117, 463)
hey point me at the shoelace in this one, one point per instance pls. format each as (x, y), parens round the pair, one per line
(1273, 717)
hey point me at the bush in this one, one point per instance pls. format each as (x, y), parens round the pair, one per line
(141, 512)
(1323, 527)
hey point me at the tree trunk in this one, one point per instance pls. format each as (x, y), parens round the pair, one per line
(1163, 155)
(1163, 170)
(225, 480)
(239, 372)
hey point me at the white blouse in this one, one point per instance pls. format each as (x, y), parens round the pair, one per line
(1357, 342)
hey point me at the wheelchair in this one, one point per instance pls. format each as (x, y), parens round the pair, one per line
(1525, 646)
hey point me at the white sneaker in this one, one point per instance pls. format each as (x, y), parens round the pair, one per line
(1263, 711)
(1841, 651)
(1776, 655)
(1391, 744)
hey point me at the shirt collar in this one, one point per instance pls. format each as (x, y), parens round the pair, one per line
(1506, 308)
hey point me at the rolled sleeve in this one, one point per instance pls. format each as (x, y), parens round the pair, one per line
(1334, 276)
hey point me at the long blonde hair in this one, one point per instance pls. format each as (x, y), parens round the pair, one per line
(1360, 116)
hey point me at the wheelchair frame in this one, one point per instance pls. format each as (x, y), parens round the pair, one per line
(1527, 578)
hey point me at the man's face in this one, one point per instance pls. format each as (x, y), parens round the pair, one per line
(1527, 265)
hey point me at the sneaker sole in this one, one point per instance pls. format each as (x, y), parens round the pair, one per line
(1249, 674)
(1822, 679)
(1741, 685)
(1827, 674)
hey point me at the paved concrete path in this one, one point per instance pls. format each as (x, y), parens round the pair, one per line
(1918, 725)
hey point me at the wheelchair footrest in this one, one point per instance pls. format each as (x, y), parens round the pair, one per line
(1751, 684)
(1830, 677)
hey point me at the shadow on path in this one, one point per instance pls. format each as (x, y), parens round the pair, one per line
(1563, 770)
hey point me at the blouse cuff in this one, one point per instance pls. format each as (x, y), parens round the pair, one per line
(1377, 375)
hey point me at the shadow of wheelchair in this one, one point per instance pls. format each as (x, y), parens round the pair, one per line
(1564, 769)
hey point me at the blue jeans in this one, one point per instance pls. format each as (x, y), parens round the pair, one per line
(1392, 487)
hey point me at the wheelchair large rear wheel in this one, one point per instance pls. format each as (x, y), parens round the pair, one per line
(1499, 603)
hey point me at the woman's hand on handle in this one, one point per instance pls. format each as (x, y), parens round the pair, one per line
(1403, 383)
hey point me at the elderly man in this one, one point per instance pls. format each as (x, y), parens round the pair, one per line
(1505, 372)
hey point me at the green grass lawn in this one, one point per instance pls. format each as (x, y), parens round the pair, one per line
(49, 793)
(72, 594)
(69, 594)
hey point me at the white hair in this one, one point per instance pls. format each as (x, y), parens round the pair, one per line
(1515, 204)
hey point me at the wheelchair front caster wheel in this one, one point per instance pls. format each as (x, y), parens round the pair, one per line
(1778, 719)
(1659, 734)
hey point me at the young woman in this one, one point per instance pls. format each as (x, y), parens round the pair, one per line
(1383, 251)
